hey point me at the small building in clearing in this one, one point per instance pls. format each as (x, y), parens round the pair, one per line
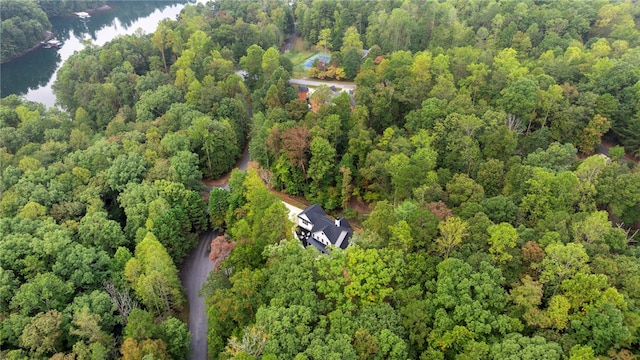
(317, 229)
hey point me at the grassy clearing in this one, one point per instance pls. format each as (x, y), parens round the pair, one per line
(298, 58)
(298, 54)
(299, 45)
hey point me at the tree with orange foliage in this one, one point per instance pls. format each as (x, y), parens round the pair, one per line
(220, 249)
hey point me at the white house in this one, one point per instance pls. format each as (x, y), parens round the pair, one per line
(317, 229)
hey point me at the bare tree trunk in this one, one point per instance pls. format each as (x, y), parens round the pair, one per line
(122, 300)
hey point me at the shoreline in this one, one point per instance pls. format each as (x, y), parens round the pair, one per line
(99, 9)
(49, 34)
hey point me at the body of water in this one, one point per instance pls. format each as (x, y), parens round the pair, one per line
(33, 74)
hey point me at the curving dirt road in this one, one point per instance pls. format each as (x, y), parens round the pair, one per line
(195, 270)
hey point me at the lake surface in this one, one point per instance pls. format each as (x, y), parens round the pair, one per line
(33, 74)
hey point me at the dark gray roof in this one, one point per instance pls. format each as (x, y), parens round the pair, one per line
(344, 223)
(321, 222)
(314, 212)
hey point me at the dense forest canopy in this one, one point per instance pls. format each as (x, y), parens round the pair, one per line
(495, 229)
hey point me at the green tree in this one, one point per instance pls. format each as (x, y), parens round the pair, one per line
(162, 39)
(469, 304)
(154, 103)
(252, 62)
(591, 134)
(84, 267)
(556, 157)
(218, 207)
(562, 262)
(463, 189)
(23, 25)
(270, 62)
(380, 220)
(491, 177)
(86, 326)
(44, 292)
(548, 192)
(582, 352)
(351, 40)
(520, 98)
(324, 39)
(288, 329)
(216, 143)
(592, 229)
(233, 306)
(97, 230)
(503, 237)
(185, 166)
(140, 325)
(175, 334)
(602, 329)
(322, 169)
(402, 173)
(154, 277)
(452, 231)
(516, 346)
(401, 236)
(125, 169)
(43, 334)
(369, 278)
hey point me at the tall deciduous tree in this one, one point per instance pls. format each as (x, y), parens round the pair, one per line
(562, 262)
(97, 230)
(43, 334)
(218, 206)
(502, 238)
(324, 39)
(44, 292)
(322, 169)
(126, 169)
(517, 346)
(154, 277)
(452, 231)
(591, 134)
(270, 62)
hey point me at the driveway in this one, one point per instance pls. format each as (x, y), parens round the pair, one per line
(293, 212)
(337, 84)
(289, 43)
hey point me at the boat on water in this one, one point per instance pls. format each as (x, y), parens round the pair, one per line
(52, 43)
(82, 15)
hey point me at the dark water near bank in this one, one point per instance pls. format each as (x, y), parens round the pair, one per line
(33, 74)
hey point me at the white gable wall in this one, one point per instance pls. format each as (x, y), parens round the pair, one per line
(303, 222)
(321, 237)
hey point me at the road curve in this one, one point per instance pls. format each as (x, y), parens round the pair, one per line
(197, 266)
(194, 273)
(195, 270)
